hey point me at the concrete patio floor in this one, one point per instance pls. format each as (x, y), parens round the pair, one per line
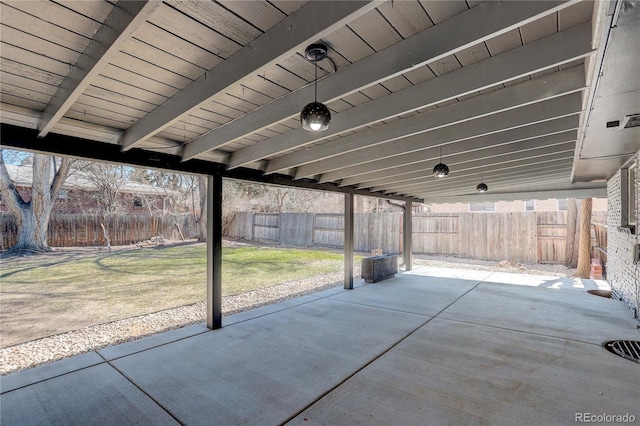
(428, 347)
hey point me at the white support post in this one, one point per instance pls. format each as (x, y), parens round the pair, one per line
(214, 251)
(348, 241)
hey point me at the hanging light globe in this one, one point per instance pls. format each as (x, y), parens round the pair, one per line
(440, 170)
(482, 187)
(315, 116)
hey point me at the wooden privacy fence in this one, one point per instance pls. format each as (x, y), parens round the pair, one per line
(371, 231)
(531, 237)
(80, 230)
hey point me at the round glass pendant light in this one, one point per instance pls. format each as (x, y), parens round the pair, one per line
(440, 170)
(315, 116)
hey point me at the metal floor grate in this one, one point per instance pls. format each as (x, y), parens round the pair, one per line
(628, 349)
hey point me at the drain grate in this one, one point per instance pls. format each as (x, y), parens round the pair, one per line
(628, 349)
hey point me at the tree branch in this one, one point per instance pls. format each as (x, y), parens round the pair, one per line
(60, 175)
(12, 197)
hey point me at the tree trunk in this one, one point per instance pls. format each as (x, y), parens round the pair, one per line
(33, 216)
(573, 232)
(32, 235)
(584, 253)
(202, 220)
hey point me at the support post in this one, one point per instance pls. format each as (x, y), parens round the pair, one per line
(348, 241)
(214, 251)
(407, 226)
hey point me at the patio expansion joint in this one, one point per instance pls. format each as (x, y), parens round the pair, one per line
(521, 331)
(286, 308)
(150, 347)
(382, 307)
(147, 394)
(381, 354)
(51, 377)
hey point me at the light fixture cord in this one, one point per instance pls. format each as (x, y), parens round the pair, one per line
(315, 84)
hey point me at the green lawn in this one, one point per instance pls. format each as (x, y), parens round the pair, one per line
(76, 289)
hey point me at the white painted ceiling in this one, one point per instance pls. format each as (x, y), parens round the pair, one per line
(516, 94)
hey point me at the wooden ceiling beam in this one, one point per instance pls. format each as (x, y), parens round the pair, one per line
(493, 171)
(493, 124)
(543, 54)
(307, 25)
(421, 128)
(125, 18)
(494, 155)
(402, 163)
(481, 23)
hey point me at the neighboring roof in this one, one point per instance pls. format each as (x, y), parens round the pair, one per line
(23, 176)
(503, 91)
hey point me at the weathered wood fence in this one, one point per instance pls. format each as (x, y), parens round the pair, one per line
(81, 230)
(531, 237)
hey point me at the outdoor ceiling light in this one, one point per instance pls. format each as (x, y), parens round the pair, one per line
(482, 187)
(440, 170)
(315, 116)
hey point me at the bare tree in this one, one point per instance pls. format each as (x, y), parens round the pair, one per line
(584, 253)
(202, 219)
(278, 197)
(573, 234)
(108, 179)
(32, 216)
(175, 189)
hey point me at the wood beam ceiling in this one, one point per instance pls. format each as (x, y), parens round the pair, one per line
(120, 24)
(307, 25)
(483, 22)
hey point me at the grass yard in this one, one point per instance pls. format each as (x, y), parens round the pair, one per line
(63, 291)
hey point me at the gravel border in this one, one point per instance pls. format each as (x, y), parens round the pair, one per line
(60, 346)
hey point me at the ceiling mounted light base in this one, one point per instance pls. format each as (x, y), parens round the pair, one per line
(315, 52)
(440, 170)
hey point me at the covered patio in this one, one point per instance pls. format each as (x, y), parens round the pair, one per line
(220, 88)
(430, 346)
(533, 99)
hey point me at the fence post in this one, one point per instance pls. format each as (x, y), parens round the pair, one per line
(253, 226)
(348, 241)
(407, 231)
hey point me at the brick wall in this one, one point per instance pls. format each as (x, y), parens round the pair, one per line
(622, 274)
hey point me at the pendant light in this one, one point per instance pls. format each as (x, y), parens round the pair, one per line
(440, 170)
(482, 187)
(315, 116)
